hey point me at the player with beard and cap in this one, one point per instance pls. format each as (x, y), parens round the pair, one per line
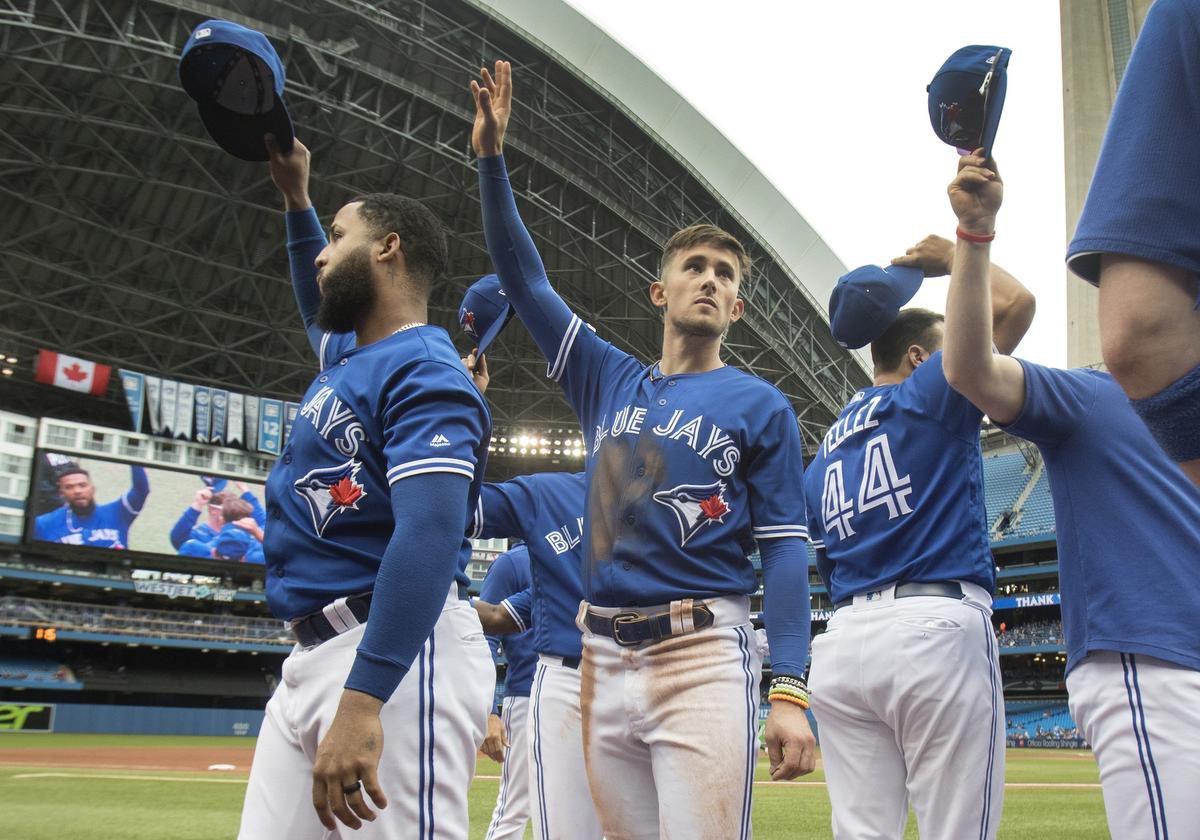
(80, 521)
(367, 508)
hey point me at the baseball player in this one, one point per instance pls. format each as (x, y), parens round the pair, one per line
(80, 521)
(1137, 239)
(690, 462)
(508, 575)
(1129, 618)
(905, 681)
(546, 510)
(386, 693)
(188, 526)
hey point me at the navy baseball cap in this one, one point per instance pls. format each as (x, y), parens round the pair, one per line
(236, 78)
(865, 302)
(966, 97)
(485, 311)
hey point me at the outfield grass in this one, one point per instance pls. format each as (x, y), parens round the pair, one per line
(156, 805)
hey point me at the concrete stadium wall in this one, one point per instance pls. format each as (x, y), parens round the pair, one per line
(155, 720)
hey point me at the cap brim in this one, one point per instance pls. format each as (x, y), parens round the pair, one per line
(485, 340)
(995, 106)
(242, 135)
(906, 281)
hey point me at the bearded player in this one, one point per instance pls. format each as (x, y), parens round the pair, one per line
(690, 462)
(386, 694)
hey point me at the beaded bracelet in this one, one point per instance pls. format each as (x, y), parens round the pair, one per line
(787, 698)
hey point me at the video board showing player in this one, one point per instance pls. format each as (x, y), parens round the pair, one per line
(101, 503)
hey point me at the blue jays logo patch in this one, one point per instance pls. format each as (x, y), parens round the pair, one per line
(331, 490)
(695, 506)
(466, 319)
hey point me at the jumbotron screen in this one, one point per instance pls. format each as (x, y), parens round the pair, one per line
(101, 503)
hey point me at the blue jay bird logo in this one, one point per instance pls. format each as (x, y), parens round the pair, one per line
(695, 505)
(331, 490)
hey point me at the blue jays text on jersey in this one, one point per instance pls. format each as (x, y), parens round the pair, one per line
(895, 492)
(107, 526)
(546, 511)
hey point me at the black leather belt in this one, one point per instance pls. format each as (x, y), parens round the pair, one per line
(918, 590)
(571, 662)
(633, 628)
(315, 628)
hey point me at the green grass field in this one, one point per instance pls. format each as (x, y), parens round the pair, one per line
(48, 802)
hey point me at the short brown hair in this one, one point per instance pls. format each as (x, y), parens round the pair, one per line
(705, 234)
(912, 326)
(233, 509)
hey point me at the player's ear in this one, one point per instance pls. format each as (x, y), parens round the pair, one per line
(739, 309)
(389, 248)
(658, 294)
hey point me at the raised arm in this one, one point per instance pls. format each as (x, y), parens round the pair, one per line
(305, 239)
(994, 383)
(574, 355)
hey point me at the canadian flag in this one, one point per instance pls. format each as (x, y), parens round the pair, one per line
(71, 373)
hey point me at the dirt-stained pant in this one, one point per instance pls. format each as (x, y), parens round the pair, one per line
(670, 730)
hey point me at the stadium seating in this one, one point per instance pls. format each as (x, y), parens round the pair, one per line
(1004, 477)
(154, 624)
(1032, 634)
(1048, 720)
(1037, 514)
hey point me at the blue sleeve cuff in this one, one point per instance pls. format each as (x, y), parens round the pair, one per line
(375, 675)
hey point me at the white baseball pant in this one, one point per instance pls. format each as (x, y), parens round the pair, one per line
(433, 726)
(909, 704)
(561, 801)
(669, 729)
(512, 802)
(1142, 717)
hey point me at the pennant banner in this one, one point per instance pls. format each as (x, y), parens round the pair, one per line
(203, 412)
(270, 425)
(134, 384)
(290, 410)
(153, 395)
(220, 398)
(251, 425)
(170, 398)
(72, 373)
(235, 432)
(183, 415)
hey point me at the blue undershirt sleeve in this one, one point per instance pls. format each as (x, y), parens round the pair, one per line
(305, 240)
(787, 609)
(414, 577)
(183, 526)
(517, 262)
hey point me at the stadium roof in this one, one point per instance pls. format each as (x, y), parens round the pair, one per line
(133, 240)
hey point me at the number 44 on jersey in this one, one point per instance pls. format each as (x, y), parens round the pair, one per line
(881, 486)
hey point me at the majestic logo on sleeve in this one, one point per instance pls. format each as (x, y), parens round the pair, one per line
(331, 490)
(695, 505)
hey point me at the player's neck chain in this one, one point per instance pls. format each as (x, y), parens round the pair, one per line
(409, 326)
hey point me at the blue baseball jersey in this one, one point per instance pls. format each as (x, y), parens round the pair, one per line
(106, 527)
(546, 511)
(895, 491)
(1145, 194)
(398, 407)
(508, 575)
(1109, 480)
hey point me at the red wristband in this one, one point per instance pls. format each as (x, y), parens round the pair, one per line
(975, 237)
